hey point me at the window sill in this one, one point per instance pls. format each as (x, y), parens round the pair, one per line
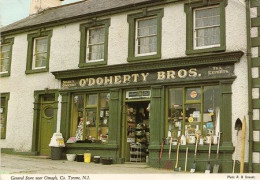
(206, 50)
(91, 64)
(91, 145)
(32, 71)
(6, 74)
(144, 58)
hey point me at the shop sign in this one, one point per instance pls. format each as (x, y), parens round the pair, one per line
(171, 75)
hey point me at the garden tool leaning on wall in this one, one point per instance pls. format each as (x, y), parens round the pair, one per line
(238, 127)
(216, 166)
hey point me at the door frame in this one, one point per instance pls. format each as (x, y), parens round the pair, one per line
(37, 116)
(123, 141)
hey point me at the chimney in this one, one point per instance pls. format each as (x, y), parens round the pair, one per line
(39, 5)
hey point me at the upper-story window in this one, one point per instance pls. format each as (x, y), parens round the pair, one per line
(38, 52)
(6, 56)
(145, 35)
(94, 43)
(205, 28)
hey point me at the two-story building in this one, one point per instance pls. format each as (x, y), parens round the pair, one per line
(115, 77)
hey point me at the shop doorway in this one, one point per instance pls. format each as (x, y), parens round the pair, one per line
(46, 124)
(137, 131)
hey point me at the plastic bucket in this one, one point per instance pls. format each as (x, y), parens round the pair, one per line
(71, 157)
(87, 157)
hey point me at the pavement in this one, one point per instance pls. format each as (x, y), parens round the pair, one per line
(18, 164)
(18, 167)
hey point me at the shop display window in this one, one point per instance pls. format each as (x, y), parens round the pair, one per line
(90, 117)
(192, 111)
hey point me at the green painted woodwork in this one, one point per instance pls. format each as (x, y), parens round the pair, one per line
(256, 147)
(83, 42)
(255, 82)
(156, 116)
(37, 115)
(114, 113)
(199, 60)
(188, 8)
(131, 18)
(30, 51)
(256, 167)
(45, 129)
(10, 41)
(255, 22)
(65, 109)
(226, 112)
(6, 96)
(256, 62)
(256, 125)
(256, 103)
(254, 3)
(255, 42)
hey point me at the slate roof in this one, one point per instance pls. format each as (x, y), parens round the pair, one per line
(79, 9)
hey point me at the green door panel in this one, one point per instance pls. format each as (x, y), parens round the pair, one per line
(46, 128)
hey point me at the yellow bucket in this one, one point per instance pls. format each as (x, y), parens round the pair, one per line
(87, 157)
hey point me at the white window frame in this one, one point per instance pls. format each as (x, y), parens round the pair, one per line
(3, 72)
(34, 52)
(194, 29)
(87, 45)
(136, 37)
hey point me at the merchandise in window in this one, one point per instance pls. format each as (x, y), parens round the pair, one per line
(90, 117)
(206, 27)
(146, 36)
(96, 42)
(193, 112)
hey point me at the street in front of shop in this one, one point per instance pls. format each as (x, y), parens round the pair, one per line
(17, 164)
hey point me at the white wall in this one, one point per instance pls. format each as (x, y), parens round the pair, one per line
(65, 44)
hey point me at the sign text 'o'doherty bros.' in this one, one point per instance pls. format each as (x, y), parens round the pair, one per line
(150, 77)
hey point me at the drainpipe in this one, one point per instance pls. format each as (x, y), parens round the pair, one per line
(249, 68)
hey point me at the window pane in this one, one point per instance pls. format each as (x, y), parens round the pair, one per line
(103, 117)
(211, 103)
(193, 94)
(96, 43)
(147, 36)
(175, 111)
(4, 58)
(77, 117)
(96, 52)
(96, 35)
(92, 99)
(91, 120)
(41, 45)
(41, 60)
(207, 26)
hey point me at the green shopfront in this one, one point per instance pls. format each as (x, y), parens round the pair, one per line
(126, 111)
